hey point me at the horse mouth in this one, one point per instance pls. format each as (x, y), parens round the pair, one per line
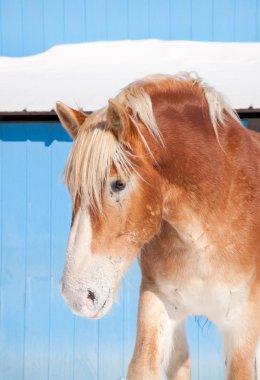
(104, 308)
(104, 304)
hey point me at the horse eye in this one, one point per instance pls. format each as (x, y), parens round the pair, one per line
(118, 185)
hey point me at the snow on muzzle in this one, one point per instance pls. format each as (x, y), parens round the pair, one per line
(91, 293)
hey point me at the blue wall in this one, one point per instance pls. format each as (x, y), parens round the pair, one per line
(32, 26)
(39, 337)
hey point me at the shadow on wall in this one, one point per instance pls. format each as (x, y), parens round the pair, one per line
(45, 132)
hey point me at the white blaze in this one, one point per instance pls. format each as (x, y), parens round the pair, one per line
(78, 250)
(89, 280)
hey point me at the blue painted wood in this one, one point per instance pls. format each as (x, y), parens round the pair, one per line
(32, 26)
(86, 349)
(53, 16)
(210, 356)
(61, 332)
(202, 20)
(257, 20)
(11, 28)
(37, 306)
(96, 20)
(131, 285)
(159, 19)
(224, 14)
(117, 28)
(138, 19)
(74, 21)
(13, 251)
(245, 20)
(1, 32)
(180, 19)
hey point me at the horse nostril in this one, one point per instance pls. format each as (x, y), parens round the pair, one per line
(91, 296)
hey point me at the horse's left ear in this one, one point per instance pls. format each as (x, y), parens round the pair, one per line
(70, 119)
(118, 121)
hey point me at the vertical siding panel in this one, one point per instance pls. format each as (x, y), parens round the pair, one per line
(202, 20)
(13, 226)
(224, 13)
(1, 34)
(138, 23)
(96, 22)
(61, 339)
(131, 297)
(53, 23)
(211, 359)
(180, 13)
(159, 19)
(111, 343)
(117, 27)
(38, 254)
(245, 20)
(86, 350)
(38, 25)
(11, 26)
(74, 21)
(258, 22)
(33, 38)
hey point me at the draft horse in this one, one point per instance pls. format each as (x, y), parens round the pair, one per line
(167, 170)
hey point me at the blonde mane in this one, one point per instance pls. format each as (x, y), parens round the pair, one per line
(96, 149)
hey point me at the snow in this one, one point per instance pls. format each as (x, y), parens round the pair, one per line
(86, 75)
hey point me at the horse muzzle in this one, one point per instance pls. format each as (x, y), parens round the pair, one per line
(90, 302)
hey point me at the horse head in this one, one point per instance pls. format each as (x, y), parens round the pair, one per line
(117, 200)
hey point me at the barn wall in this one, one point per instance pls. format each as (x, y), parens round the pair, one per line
(32, 26)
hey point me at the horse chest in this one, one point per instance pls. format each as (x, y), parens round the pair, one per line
(197, 288)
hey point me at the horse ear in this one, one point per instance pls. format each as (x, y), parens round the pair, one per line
(118, 120)
(70, 119)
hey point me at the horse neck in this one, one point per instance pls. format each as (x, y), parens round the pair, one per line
(195, 173)
(206, 181)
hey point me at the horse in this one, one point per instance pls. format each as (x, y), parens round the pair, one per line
(166, 171)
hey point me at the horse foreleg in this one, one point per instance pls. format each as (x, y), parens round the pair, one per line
(152, 328)
(241, 343)
(257, 362)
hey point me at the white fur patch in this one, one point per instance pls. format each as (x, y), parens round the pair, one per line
(78, 249)
(88, 281)
(198, 290)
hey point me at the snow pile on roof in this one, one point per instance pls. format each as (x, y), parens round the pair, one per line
(86, 75)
